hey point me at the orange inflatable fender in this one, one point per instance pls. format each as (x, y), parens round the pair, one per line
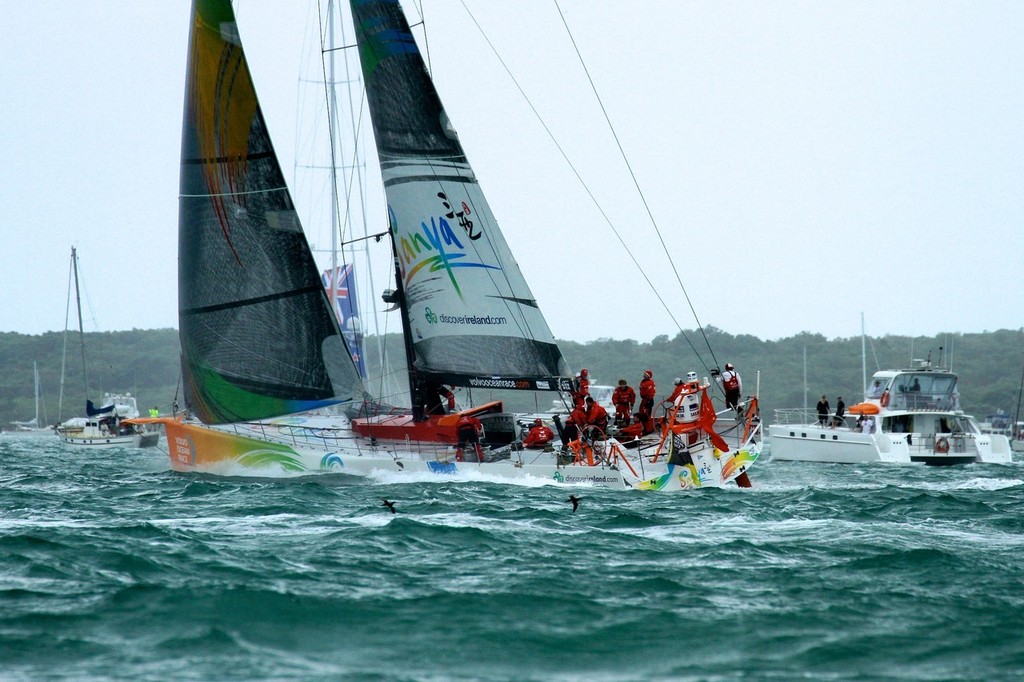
(864, 408)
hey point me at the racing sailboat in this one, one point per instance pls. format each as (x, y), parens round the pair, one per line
(262, 352)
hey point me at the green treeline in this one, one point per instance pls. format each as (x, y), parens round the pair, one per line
(145, 363)
(141, 362)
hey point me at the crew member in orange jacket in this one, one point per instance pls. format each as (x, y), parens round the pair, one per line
(575, 423)
(679, 386)
(597, 418)
(469, 430)
(539, 436)
(647, 392)
(623, 398)
(581, 388)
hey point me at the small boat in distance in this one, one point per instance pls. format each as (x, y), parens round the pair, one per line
(103, 427)
(907, 416)
(35, 425)
(999, 423)
(1017, 438)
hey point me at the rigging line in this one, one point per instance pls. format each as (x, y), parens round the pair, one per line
(356, 165)
(332, 116)
(422, 22)
(359, 164)
(342, 223)
(357, 126)
(1016, 417)
(582, 182)
(356, 168)
(636, 184)
(330, 110)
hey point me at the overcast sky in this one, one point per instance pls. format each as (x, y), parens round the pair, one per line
(804, 162)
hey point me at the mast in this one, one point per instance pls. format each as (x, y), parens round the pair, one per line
(64, 352)
(415, 389)
(81, 331)
(331, 105)
(35, 374)
(863, 357)
(1016, 416)
(805, 378)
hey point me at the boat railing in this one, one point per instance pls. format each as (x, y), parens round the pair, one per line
(801, 416)
(958, 442)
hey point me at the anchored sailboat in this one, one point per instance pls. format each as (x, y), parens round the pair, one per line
(262, 349)
(35, 424)
(107, 426)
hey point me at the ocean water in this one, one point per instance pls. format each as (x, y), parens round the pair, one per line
(113, 567)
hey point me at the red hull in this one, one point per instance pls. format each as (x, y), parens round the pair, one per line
(437, 428)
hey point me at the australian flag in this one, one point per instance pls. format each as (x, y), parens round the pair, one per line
(343, 287)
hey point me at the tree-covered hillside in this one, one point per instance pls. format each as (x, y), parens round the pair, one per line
(145, 362)
(142, 362)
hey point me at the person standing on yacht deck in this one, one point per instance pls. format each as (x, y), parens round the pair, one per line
(840, 411)
(876, 390)
(823, 410)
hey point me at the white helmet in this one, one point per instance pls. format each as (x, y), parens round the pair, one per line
(691, 376)
(677, 381)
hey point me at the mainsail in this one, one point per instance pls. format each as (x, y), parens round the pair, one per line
(471, 319)
(258, 337)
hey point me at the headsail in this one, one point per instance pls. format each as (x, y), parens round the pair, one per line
(471, 317)
(258, 337)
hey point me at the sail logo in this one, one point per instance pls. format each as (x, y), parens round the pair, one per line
(467, 319)
(438, 247)
(430, 316)
(463, 216)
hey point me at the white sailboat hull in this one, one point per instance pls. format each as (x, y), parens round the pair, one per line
(137, 440)
(304, 446)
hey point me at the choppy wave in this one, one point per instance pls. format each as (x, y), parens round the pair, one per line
(113, 567)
